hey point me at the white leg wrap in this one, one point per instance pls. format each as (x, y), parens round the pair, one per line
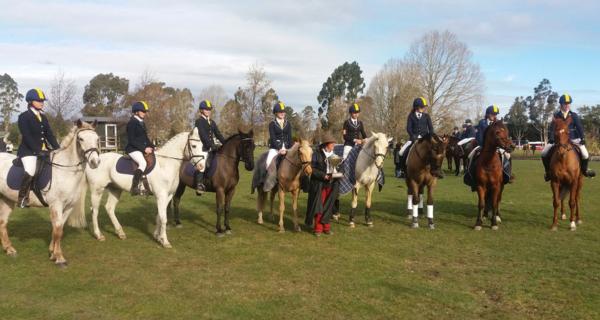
(409, 204)
(421, 201)
(430, 211)
(415, 210)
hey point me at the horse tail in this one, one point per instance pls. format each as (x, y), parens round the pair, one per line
(77, 216)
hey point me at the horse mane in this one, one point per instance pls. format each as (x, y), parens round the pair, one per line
(494, 124)
(70, 137)
(172, 139)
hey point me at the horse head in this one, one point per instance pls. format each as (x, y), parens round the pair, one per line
(380, 146)
(246, 148)
(497, 135)
(305, 152)
(438, 149)
(194, 150)
(88, 142)
(561, 135)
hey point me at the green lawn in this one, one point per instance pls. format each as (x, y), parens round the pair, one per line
(521, 271)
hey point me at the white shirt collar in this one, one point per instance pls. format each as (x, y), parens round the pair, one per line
(138, 118)
(36, 111)
(205, 117)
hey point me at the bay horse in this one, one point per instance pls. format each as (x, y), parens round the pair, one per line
(162, 181)
(488, 172)
(368, 167)
(223, 179)
(65, 194)
(297, 162)
(425, 154)
(565, 174)
(454, 153)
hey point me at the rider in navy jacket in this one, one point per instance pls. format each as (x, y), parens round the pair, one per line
(37, 138)
(138, 143)
(576, 135)
(208, 131)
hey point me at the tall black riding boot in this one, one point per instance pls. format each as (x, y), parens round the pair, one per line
(584, 169)
(135, 184)
(199, 182)
(546, 163)
(23, 201)
(403, 165)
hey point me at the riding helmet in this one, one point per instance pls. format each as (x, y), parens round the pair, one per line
(139, 106)
(419, 102)
(205, 105)
(493, 109)
(354, 108)
(278, 107)
(35, 95)
(565, 99)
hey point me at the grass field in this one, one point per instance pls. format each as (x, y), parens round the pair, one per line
(390, 271)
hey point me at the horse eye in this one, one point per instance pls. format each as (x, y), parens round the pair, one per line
(194, 146)
(80, 139)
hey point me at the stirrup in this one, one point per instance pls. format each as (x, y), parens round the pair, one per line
(24, 203)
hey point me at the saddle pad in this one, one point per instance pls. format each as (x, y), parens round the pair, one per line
(260, 172)
(348, 169)
(126, 165)
(15, 176)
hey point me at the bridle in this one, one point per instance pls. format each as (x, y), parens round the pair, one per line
(302, 165)
(86, 153)
(374, 156)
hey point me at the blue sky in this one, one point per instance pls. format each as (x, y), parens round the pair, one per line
(195, 44)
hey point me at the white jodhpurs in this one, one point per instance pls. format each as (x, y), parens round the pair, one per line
(465, 140)
(138, 157)
(584, 153)
(271, 155)
(405, 146)
(347, 150)
(29, 164)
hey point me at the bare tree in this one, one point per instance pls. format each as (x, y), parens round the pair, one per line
(62, 102)
(216, 95)
(392, 91)
(257, 86)
(447, 75)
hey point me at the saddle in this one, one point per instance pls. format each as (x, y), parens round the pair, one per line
(470, 176)
(42, 179)
(126, 165)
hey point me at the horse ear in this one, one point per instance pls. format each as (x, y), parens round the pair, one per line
(390, 139)
(79, 123)
(94, 124)
(372, 133)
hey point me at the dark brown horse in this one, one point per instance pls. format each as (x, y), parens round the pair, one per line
(239, 147)
(426, 154)
(454, 153)
(488, 172)
(565, 174)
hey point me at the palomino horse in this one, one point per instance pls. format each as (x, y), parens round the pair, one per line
(222, 178)
(425, 154)
(565, 174)
(454, 153)
(368, 166)
(488, 172)
(296, 162)
(65, 196)
(162, 180)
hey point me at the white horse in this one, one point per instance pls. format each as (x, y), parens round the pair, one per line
(368, 165)
(162, 180)
(66, 194)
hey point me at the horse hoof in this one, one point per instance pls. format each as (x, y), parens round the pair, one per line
(477, 228)
(260, 221)
(167, 245)
(11, 252)
(563, 217)
(415, 225)
(101, 238)
(351, 224)
(370, 224)
(494, 228)
(220, 234)
(122, 236)
(228, 232)
(554, 228)
(573, 226)
(498, 220)
(432, 226)
(281, 231)
(61, 265)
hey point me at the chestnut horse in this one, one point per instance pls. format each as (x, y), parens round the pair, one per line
(425, 154)
(488, 172)
(565, 173)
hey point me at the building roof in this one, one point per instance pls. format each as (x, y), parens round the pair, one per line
(100, 119)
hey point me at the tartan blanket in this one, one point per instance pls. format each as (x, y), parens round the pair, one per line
(348, 167)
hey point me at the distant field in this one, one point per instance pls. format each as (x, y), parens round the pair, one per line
(390, 271)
